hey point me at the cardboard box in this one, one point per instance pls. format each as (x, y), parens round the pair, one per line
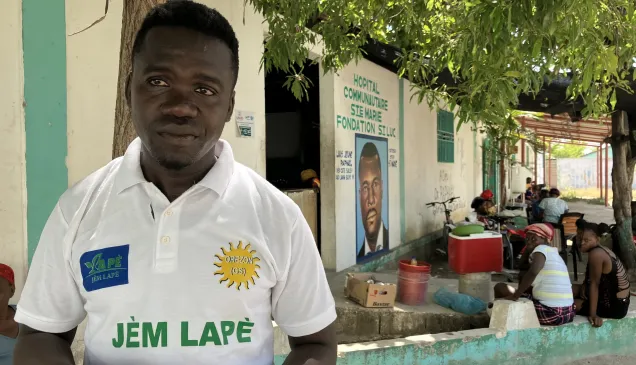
(369, 295)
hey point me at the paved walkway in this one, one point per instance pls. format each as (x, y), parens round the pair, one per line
(593, 213)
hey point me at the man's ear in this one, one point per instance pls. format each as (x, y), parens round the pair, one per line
(127, 90)
(231, 108)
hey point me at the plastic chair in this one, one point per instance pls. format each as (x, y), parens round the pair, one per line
(567, 229)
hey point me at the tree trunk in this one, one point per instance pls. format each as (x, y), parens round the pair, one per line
(134, 13)
(622, 179)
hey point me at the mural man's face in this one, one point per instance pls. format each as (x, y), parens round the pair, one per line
(370, 177)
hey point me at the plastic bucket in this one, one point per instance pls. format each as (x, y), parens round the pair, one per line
(413, 282)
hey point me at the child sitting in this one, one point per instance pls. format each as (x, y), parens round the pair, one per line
(605, 291)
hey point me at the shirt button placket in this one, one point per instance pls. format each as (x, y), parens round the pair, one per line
(167, 246)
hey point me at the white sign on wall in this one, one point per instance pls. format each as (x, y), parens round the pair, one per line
(245, 123)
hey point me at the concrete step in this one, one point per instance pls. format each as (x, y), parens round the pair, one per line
(358, 324)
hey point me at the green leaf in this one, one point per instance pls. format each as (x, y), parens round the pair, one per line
(479, 41)
(536, 49)
(613, 99)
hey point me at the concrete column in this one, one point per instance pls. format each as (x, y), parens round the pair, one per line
(478, 285)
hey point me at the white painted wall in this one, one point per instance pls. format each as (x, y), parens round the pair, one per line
(428, 180)
(92, 59)
(12, 145)
(250, 89)
(92, 71)
(344, 210)
(523, 168)
(328, 219)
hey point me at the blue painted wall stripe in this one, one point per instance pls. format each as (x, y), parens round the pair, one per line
(402, 163)
(44, 47)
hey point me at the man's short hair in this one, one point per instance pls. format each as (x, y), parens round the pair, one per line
(369, 150)
(194, 16)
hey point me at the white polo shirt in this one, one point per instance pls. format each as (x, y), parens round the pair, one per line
(195, 281)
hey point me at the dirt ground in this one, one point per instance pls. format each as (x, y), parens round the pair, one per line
(605, 360)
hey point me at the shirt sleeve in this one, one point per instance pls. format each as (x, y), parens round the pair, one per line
(302, 303)
(51, 301)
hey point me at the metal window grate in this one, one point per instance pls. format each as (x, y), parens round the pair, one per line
(445, 137)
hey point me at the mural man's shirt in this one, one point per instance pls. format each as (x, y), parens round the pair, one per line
(194, 281)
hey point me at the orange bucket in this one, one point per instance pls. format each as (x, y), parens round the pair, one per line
(413, 282)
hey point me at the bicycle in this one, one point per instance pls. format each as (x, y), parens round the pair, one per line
(449, 225)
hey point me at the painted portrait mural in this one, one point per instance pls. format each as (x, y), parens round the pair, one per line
(372, 197)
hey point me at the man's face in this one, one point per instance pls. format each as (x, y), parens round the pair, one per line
(181, 94)
(370, 177)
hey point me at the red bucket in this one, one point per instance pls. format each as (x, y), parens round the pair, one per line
(413, 282)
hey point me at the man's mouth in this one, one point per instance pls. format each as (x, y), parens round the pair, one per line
(371, 215)
(178, 139)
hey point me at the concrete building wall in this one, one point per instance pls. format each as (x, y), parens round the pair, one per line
(428, 180)
(92, 66)
(365, 112)
(522, 167)
(13, 249)
(582, 173)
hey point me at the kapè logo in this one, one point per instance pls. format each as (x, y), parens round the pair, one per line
(238, 266)
(105, 268)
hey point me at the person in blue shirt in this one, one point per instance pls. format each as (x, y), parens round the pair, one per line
(553, 207)
(8, 327)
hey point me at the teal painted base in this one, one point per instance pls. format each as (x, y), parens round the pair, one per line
(544, 346)
(44, 47)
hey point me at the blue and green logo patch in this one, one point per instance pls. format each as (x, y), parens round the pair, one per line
(105, 268)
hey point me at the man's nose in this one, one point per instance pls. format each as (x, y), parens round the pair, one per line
(179, 105)
(371, 199)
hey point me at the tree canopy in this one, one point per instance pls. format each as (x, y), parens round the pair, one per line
(562, 150)
(495, 50)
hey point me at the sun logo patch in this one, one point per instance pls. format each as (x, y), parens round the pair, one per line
(238, 266)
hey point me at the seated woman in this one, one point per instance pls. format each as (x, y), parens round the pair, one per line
(483, 208)
(553, 207)
(546, 282)
(605, 291)
(487, 195)
(536, 210)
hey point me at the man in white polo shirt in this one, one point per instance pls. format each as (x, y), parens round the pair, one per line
(176, 253)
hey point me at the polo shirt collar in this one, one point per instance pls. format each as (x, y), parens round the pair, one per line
(217, 179)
